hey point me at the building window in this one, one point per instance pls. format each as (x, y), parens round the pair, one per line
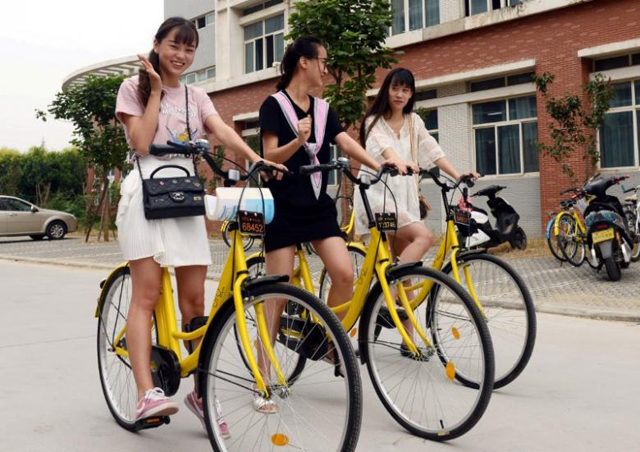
(426, 95)
(199, 76)
(430, 118)
(263, 44)
(261, 6)
(204, 21)
(618, 147)
(414, 15)
(501, 82)
(506, 135)
(616, 62)
(482, 6)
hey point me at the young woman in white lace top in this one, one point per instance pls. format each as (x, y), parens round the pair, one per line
(385, 133)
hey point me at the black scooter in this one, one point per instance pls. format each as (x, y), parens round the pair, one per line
(608, 236)
(506, 230)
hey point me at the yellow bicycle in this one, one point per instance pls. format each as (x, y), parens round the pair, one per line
(495, 286)
(319, 413)
(416, 349)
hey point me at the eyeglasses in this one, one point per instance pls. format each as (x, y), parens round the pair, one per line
(323, 61)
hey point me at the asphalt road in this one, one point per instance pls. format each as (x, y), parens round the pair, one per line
(580, 392)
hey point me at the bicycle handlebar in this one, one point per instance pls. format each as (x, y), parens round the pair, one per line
(201, 148)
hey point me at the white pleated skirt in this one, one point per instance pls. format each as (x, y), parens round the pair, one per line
(172, 242)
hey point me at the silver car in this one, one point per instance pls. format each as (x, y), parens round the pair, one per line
(18, 217)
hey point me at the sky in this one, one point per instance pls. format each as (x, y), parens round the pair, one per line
(43, 41)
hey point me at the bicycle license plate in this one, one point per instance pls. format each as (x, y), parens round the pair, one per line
(462, 217)
(386, 221)
(603, 236)
(251, 223)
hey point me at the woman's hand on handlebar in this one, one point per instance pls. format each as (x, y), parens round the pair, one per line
(278, 174)
(469, 174)
(394, 162)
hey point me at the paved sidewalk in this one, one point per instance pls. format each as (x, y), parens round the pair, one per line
(555, 288)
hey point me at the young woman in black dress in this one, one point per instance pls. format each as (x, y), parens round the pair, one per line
(304, 212)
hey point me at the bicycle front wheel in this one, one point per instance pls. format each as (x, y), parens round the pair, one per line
(116, 376)
(421, 392)
(321, 412)
(508, 310)
(569, 241)
(552, 241)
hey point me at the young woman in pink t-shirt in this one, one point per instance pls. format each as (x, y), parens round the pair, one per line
(153, 107)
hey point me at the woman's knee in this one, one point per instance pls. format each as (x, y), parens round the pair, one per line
(342, 276)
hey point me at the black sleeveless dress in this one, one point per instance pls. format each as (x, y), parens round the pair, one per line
(299, 216)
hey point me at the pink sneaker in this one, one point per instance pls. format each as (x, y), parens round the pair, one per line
(195, 406)
(155, 403)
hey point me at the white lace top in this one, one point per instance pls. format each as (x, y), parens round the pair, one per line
(404, 188)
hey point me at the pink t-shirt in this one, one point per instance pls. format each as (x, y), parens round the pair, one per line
(172, 124)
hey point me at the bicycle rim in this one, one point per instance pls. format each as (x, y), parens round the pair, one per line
(116, 376)
(509, 313)
(321, 412)
(423, 394)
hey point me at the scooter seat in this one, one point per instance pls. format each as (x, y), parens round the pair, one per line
(491, 190)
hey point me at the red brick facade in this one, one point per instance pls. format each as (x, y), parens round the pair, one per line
(553, 39)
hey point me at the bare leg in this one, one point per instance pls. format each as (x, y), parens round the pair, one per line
(146, 281)
(334, 255)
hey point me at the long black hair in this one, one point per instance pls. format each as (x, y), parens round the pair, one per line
(305, 46)
(187, 34)
(380, 106)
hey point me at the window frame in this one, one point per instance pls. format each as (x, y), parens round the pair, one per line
(263, 37)
(495, 126)
(634, 108)
(407, 18)
(468, 5)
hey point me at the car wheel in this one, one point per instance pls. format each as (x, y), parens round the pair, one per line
(56, 230)
(37, 236)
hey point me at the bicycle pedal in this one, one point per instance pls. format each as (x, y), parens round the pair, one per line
(151, 422)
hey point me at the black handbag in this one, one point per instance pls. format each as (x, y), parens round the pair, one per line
(173, 197)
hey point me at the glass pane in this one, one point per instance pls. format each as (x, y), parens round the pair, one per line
(433, 12)
(211, 73)
(415, 14)
(279, 46)
(490, 112)
(495, 4)
(191, 78)
(486, 151)
(270, 51)
(523, 107)
(530, 148)
(519, 79)
(274, 24)
(201, 22)
(252, 31)
(487, 84)
(635, 59)
(621, 95)
(612, 63)
(478, 6)
(248, 57)
(436, 136)
(426, 95)
(398, 17)
(210, 18)
(637, 92)
(259, 55)
(271, 3)
(432, 120)
(509, 149)
(616, 140)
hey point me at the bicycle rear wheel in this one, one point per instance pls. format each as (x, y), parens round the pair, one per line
(321, 412)
(508, 310)
(421, 392)
(552, 241)
(116, 376)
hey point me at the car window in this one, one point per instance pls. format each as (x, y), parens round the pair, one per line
(3, 206)
(15, 204)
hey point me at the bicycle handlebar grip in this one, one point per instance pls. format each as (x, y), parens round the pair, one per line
(468, 180)
(169, 148)
(310, 169)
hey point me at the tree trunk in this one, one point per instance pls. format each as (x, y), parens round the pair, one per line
(100, 209)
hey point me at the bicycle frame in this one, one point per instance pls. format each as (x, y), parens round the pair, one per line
(576, 217)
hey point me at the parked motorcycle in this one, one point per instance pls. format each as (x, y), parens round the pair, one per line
(506, 229)
(608, 236)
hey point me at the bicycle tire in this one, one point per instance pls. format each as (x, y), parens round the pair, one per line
(379, 346)
(512, 352)
(570, 245)
(122, 406)
(552, 241)
(215, 375)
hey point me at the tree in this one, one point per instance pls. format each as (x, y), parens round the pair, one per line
(97, 133)
(575, 125)
(354, 32)
(10, 171)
